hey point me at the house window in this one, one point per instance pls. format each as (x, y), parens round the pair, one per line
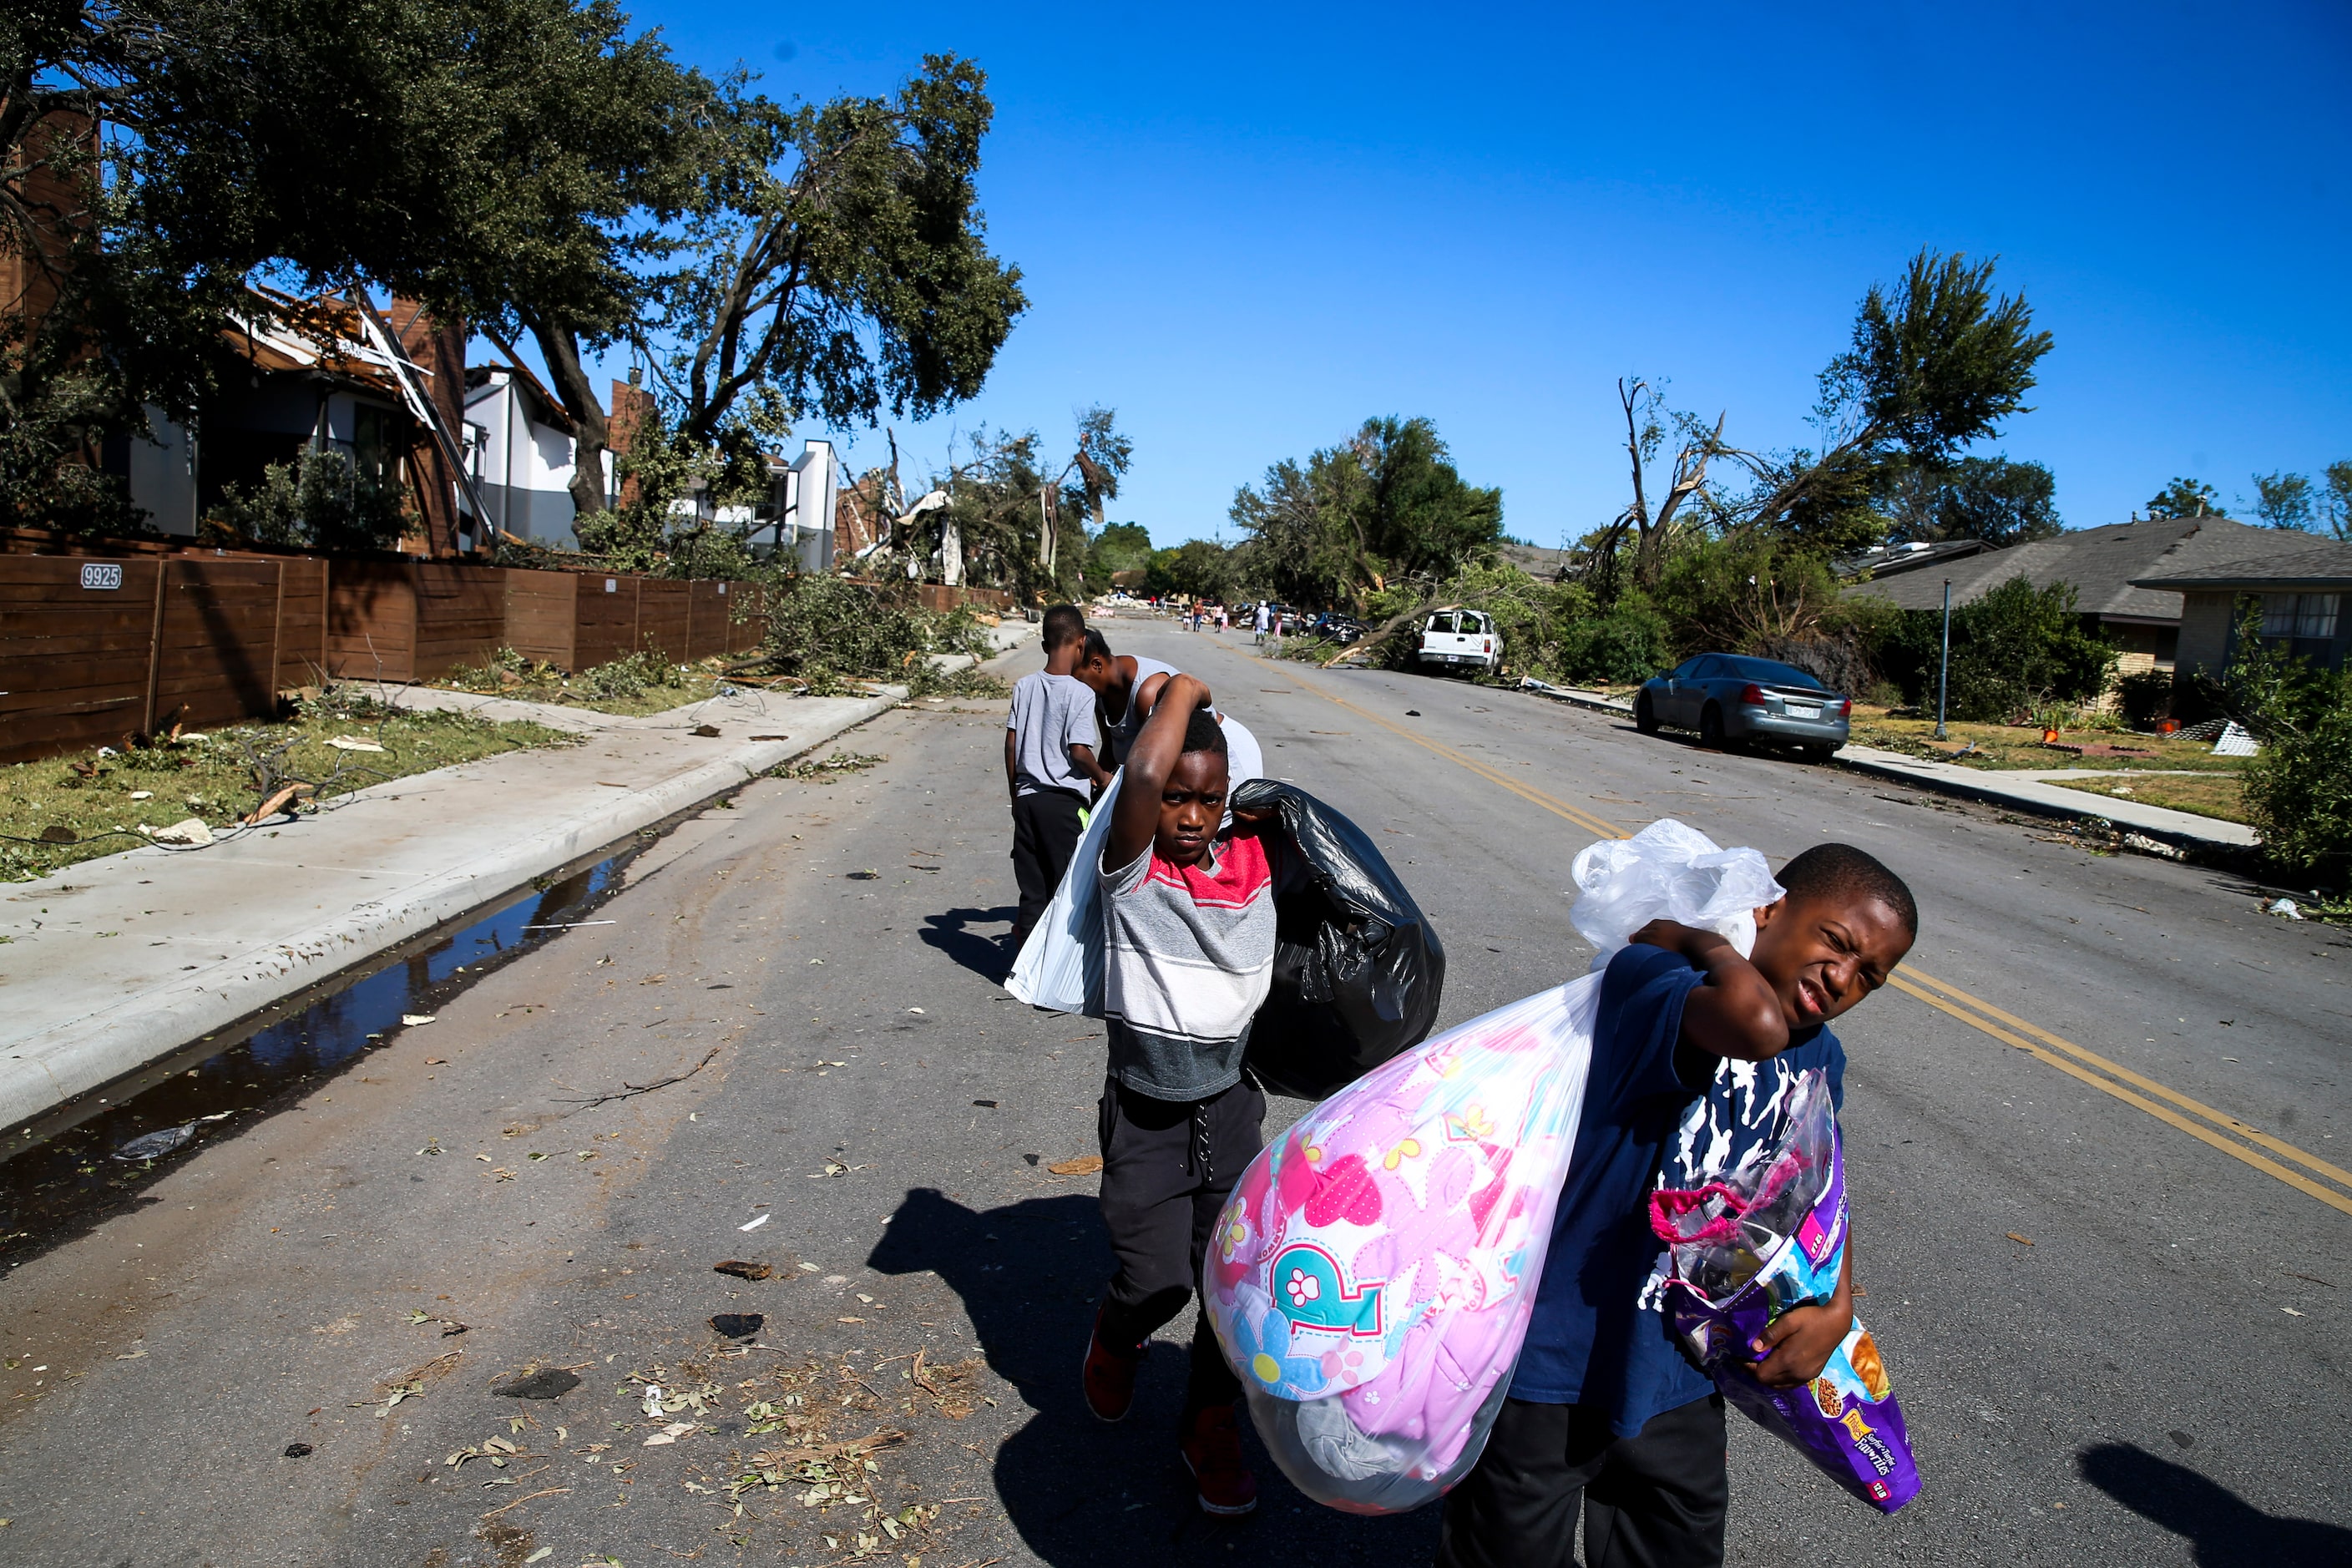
(2299, 614)
(370, 441)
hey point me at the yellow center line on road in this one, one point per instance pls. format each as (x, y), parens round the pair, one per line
(1914, 982)
(2058, 1052)
(1593, 825)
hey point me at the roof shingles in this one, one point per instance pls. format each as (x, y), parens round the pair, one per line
(2107, 565)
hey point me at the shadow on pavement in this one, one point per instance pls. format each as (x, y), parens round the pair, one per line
(2221, 1527)
(950, 932)
(1079, 1492)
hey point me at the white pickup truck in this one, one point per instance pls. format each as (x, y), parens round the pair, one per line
(1461, 638)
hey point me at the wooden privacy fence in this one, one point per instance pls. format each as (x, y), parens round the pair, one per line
(577, 620)
(413, 620)
(94, 652)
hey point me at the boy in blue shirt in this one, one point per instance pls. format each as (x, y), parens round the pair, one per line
(1693, 1052)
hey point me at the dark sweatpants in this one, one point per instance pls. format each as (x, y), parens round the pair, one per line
(1656, 1500)
(1046, 831)
(1168, 1168)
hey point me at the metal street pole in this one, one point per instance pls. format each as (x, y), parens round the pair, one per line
(1944, 670)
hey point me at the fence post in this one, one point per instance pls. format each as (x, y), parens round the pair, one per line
(155, 645)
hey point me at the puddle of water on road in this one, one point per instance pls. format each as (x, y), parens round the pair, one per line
(79, 1165)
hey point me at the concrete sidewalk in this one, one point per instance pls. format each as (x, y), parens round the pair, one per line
(2026, 789)
(115, 964)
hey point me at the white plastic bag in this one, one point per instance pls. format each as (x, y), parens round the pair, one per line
(1061, 965)
(1244, 757)
(1371, 1278)
(1668, 872)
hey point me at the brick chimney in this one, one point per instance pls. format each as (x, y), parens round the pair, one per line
(438, 349)
(632, 406)
(56, 206)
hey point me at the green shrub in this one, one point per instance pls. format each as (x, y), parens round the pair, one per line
(830, 632)
(321, 501)
(2298, 790)
(1629, 642)
(631, 675)
(2144, 696)
(2014, 648)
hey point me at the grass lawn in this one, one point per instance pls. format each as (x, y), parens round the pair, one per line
(636, 684)
(2214, 795)
(218, 776)
(2004, 746)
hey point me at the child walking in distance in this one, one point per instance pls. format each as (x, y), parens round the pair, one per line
(1189, 923)
(1125, 686)
(1693, 1052)
(1049, 767)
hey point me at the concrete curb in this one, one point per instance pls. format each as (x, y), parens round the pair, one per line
(1576, 699)
(2180, 831)
(2163, 831)
(43, 1070)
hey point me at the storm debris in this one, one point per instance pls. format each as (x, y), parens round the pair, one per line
(630, 1090)
(549, 1382)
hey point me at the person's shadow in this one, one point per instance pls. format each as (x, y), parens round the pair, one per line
(2221, 1526)
(950, 930)
(1082, 1493)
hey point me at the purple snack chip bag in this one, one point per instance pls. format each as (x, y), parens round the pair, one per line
(1846, 1420)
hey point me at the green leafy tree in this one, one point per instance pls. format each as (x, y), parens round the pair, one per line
(2335, 501)
(2284, 500)
(1198, 568)
(1935, 364)
(1388, 504)
(1121, 547)
(1991, 498)
(377, 144)
(528, 165)
(2186, 498)
(772, 265)
(1748, 591)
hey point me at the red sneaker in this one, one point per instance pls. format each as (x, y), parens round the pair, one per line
(1109, 1375)
(1211, 1447)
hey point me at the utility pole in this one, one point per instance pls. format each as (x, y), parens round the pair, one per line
(1944, 670)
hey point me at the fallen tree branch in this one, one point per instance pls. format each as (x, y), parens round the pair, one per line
(551, 1492)
(631, 1090)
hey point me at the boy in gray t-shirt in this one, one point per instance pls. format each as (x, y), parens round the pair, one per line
(1049, 767)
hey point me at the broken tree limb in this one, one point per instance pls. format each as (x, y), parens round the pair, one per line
(631, 1090)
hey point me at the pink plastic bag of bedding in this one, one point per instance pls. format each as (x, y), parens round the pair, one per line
(1373, 1275)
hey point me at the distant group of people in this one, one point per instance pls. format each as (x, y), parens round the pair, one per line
(1605, 1417)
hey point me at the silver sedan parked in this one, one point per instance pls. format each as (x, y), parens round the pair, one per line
(1732, 699)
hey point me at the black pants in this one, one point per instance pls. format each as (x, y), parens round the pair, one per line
(1046, 831)
(1168, 1168)
(1656, 1500)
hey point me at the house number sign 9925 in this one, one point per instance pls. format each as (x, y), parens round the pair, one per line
(101, 574)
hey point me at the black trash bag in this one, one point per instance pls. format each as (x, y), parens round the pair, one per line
(1358, 972)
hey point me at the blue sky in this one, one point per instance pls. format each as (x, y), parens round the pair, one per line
(1249, 228)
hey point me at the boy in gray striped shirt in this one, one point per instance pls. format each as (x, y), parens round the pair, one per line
(1189, 924)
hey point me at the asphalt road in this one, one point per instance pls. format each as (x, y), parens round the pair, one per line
(2154, 1378)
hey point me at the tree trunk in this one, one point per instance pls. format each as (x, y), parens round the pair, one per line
(591, 429)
